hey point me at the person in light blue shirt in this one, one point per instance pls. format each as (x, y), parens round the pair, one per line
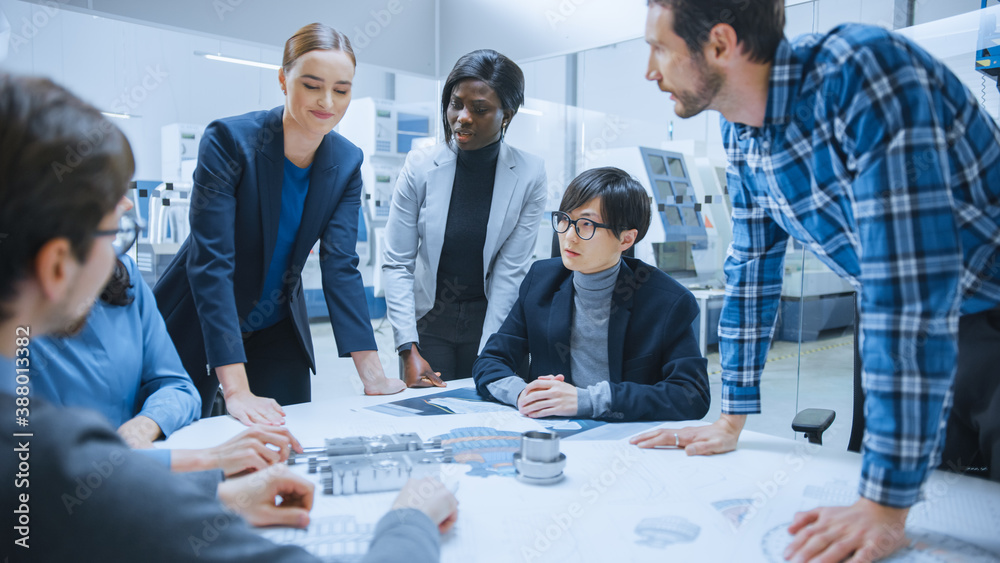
(121, 363)
(91, 497)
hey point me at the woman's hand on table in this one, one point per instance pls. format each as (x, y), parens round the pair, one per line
(250, 409)
(372, 376)
(417, 372)
(719, 437)
(241, 403)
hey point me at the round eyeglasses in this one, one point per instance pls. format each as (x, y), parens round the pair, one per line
(125, 235)
(585, 228)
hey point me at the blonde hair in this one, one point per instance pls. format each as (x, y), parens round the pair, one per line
(312, 37)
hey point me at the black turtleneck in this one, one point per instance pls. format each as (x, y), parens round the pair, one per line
(460, 271)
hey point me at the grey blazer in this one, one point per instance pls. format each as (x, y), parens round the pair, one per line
(414, 234)
(139, 510)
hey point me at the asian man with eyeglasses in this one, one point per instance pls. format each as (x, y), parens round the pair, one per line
(608, 337)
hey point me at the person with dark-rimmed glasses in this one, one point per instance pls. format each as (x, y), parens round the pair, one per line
(141, 388)
(71, 488)
(608, 337)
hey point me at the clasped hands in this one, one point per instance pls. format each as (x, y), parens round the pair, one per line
(549, 395)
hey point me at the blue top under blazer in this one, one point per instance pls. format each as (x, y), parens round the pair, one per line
(212, 284)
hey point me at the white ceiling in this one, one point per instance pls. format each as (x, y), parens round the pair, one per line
(400, 35)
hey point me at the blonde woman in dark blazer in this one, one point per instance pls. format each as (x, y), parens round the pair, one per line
(462, 227)
(268, 185)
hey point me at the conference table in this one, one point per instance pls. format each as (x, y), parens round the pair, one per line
(616, 502)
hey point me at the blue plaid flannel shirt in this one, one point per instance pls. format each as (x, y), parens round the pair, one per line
(878, 159)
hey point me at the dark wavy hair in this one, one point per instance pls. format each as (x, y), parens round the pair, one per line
(117, 291)
(63, 168)
(759, 24)
(624, 202)
(500, 73)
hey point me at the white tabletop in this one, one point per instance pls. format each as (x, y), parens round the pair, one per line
(617, 502)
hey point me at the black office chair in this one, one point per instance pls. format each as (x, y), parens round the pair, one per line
(813, 422)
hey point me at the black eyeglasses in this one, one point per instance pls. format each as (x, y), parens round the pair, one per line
(585, 228)
(125, 235)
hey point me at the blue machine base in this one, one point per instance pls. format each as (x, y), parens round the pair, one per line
(316, 304)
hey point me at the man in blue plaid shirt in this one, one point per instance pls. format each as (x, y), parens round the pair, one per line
(876, 157)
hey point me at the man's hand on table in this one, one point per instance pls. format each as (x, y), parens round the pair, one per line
(428, 495)
(549, 395)
(865, 531)
(140, 432)
(245, 453)
(716, 438)
(254, 497)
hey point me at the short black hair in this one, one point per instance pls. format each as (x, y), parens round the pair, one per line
(759, 24)
(624, 202)
(63, 167)
(500, 73)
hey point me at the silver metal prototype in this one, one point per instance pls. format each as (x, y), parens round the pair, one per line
(367, 464)
(539, 462)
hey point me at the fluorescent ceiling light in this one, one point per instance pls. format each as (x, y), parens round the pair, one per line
(119, 115)
(530, 111)
(218, 57)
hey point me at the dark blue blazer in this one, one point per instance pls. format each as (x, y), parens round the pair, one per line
(657, 371)
(212, 284)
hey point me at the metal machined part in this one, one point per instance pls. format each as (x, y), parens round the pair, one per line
(539, 462)
(364, 464)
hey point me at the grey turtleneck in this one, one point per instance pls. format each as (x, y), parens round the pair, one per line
(588, 346)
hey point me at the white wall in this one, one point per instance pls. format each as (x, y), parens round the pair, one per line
(933, 10)
(533, 29)
(376, 27)
(153, 73)
(545, 79)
